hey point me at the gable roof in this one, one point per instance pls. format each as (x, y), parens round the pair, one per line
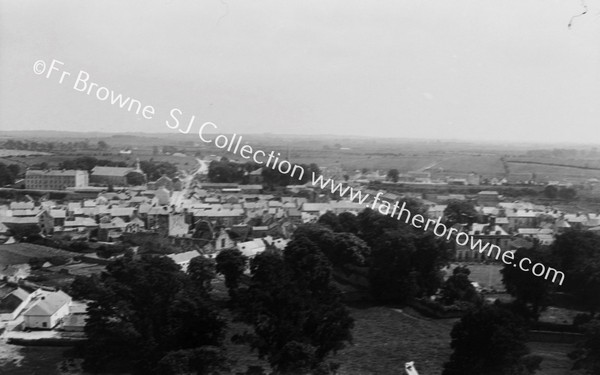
(111, 171)
(184, 257)
(48, 304)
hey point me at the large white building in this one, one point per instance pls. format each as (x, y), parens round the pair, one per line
(55, 179)
(47, 310)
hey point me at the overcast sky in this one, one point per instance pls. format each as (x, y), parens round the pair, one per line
(461, 69)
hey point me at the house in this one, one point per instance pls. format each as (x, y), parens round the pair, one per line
(109, 231)
(519, 218)
(256, 177)
(76, 319)
(225, 217)
(21, 205)
(223, 241)
(39, 223)
(13, 304)
(251, 248)
(491, 234)
(13, 273)
(59, 217)
(178, 225)
(183, 259)
(47, 310)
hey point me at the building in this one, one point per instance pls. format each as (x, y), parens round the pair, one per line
(183, 259)
(491, 234)
(54, 179)
(116, 176)
(13, 304)
(47, 310)
(488, 198)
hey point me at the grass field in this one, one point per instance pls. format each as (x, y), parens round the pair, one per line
(386, 338)
(487, 275)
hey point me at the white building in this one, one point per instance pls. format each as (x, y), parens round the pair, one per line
(47, 310)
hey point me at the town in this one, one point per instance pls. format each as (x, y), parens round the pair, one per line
(61, 227)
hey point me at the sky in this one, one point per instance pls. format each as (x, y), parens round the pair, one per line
(508, 70)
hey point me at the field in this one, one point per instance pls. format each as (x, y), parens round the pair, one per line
(22, 252)
(386, 338)
(487, 275)
(517, 162)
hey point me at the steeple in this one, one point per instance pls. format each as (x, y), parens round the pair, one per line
(137, 166)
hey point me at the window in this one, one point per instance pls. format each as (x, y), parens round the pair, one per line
(44, 324)
(222, 242)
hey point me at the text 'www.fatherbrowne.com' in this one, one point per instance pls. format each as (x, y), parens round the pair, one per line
(82, 82)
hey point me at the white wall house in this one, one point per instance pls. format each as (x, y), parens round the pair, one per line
(47, 310)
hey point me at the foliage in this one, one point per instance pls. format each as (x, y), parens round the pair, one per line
(135, 178)
(488, 340)
(458, 287)
(460, 212)
(567, 193)
(296, 312)
(225, 171)
(528, 289)
(85, 287)
(273, 177)
(341, 249)
(587, 355)
(330, 220)
(391, 276)
(155, 170)
(348, 222)
(231, 263)
(551, 192)
(393, 175)
(202, 271)
(6, 176)
(144, 310)
(577, 254)
(88, 163)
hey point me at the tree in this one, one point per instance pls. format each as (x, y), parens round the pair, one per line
(85, 287)
(225, 171)
(142, 312)
(6, 176)
(550, 192)
(155, 170)
(577, 254)
(202, 271)
(135, 178)
(530, 290)
(567, 193)
(231, 263)
(391, 275)
(458, 287)
(489, 340)
(297, 315)
(15, 170)
(460, 212)
(587, 356)
(102, 145)
(341, 249)
(330, 220)
(393, 175)
(348, 222)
